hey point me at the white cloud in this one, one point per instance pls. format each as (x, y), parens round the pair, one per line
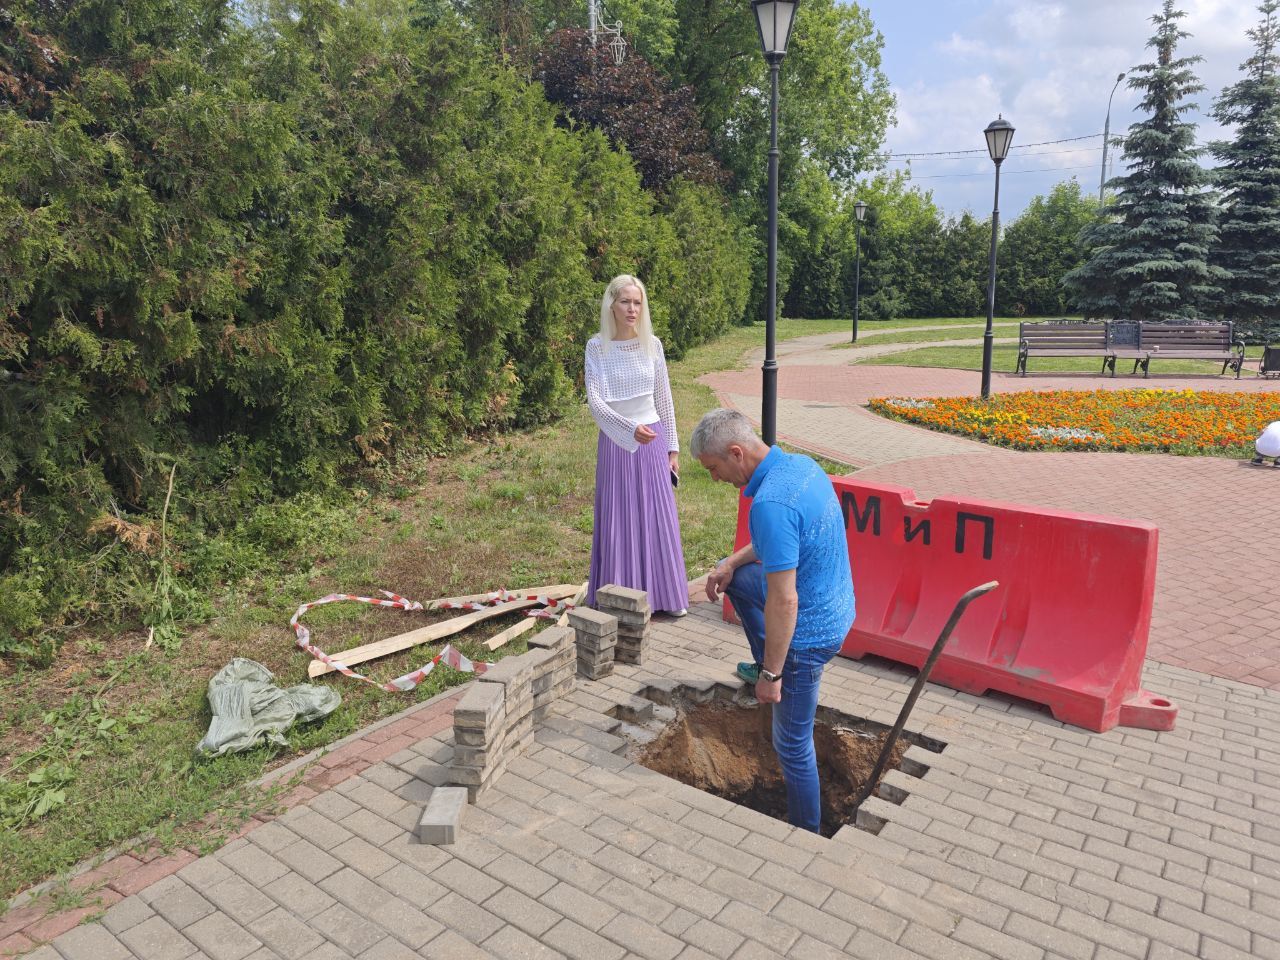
(1048, 67)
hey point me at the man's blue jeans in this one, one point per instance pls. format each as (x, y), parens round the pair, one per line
(793, 717)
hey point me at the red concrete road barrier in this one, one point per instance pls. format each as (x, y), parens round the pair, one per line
(1067, 627)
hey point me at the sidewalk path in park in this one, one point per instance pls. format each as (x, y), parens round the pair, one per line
(1022, 839)
(1217, 607)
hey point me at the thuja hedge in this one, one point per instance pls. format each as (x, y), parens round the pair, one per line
(272, 250)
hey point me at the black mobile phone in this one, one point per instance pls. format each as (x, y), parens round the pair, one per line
(675, 478)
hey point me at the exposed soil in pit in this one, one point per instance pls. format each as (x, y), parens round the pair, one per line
(727, 750)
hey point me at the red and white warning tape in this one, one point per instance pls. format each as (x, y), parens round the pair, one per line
(549, 608)
(449, 655)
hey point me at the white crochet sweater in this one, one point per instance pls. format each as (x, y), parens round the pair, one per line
(621, 376)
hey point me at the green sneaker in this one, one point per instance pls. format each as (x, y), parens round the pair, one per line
(749, 671)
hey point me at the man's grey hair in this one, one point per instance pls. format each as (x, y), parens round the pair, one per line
(717, 430)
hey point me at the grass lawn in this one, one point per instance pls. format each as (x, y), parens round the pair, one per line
(103, 738)
(1004, 359)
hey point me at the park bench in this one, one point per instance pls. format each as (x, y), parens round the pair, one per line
(1191, 340)
(1072, 338)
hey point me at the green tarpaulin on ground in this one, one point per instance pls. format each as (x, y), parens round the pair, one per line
(249, 708)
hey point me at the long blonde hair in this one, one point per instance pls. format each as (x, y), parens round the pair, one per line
(644, 329)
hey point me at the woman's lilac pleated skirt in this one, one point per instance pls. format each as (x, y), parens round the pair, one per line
(636, 538)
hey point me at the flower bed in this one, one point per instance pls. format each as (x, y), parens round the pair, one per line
(1165, 421)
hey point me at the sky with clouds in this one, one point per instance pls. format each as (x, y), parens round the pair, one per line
(1048, 67)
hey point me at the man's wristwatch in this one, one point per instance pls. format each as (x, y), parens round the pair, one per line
(771, 677)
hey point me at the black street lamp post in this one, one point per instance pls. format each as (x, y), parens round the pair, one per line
(999, 134)
(860, 214)
(1106, 137)
(774, 19)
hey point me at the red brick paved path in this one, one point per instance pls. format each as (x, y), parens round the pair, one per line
(1217, 607)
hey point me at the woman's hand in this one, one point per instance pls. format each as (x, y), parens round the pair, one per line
(674, 459)
(644, 435)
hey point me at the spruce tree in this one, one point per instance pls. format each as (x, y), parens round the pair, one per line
(1149, 258)
(1248, 247)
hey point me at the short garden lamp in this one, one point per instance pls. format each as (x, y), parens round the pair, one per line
(860, 214)
(774, 19)
(1268, 444)
(999, 134)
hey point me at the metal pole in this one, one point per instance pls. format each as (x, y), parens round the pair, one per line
(921, 677)
(769, 411)
(991, 291)
(857, 273)
(1106, 139)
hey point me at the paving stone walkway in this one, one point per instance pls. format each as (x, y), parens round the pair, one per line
(1023, 839)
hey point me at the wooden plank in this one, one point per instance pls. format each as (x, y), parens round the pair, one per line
(403, 641)
(556, 591)
(509, 634)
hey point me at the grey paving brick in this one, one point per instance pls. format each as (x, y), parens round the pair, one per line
(285, 934)
(90, 941)
(525, 877)
(995, 943)
(1052, 940)
(389, 949)
(511, 943)
(129, 912)
(695, 897)
(524, 912)
(308, 860)
(641, 937)
(738, 888)
(373, 827)
(332, 805)
(465, 917)
(867, 945)
(1194, 920)
(450, 946)
(254, 864)
(712, 938)
(829, 926)
(578, 942)
(766, 930)
(1099, 931)
(674, 860)
(204, 873)
(349, 930)
(723, 855)
(583, 908)
(239, 900)
(221, 938)
(298, 895)
(361, 855)
(576, 870)
(157, 938)
(182, 906)
(405, 922)
(931, 943)
(411, 885)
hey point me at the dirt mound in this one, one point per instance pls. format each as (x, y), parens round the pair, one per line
(727, 750)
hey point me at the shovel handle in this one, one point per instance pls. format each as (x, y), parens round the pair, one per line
(921, 678)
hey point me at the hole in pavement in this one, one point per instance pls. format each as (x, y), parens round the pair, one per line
(723, 745)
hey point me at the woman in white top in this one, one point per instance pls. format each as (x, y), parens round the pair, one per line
(636, 539)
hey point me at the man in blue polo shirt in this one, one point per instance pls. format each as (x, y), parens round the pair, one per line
(790, 586)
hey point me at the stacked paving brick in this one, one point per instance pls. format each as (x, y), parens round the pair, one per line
(596, 636)
(631, 609)
(554, 666)
(493, 722)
